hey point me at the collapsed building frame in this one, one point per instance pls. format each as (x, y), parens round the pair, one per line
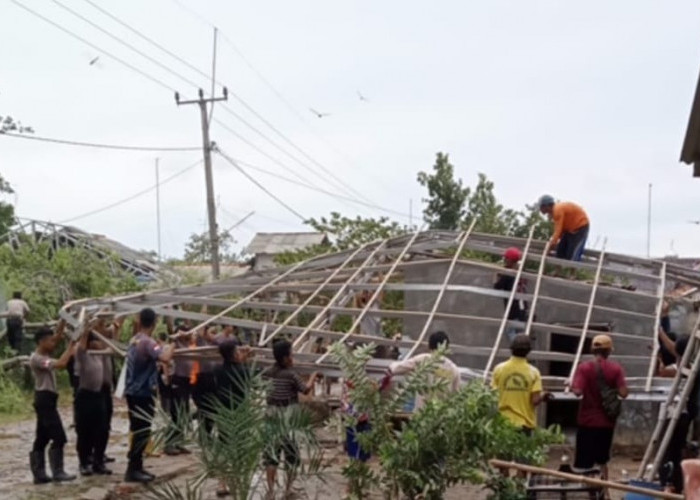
(302, 300)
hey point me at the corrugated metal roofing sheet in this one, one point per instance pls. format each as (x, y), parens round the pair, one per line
(274, 243)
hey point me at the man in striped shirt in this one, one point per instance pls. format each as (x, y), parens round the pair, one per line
(285, 387)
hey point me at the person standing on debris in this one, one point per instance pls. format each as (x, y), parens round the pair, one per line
(571, 227)
(671, 473)
(519, 386)
(506, 282)
(17, 310)
(141, 383)
(91, 413)
(447, 370)
(49, 427)
(600, 383)
(285, 387)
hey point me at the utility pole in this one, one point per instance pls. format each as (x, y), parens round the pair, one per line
(160, 255)
(649, 224)
(209, 178)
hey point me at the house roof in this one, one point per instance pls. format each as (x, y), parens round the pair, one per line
(274, 243)
(691, 145)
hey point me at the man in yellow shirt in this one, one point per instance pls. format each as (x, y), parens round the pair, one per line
(571, 226)
(519, 386)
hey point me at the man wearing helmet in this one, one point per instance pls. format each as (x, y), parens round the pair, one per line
(506, 282)
(570, 227)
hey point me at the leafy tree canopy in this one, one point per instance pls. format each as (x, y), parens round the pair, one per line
(447, 197)
(198, 248)
(48, 278)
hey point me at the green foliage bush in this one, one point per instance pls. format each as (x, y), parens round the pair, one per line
(446, 442)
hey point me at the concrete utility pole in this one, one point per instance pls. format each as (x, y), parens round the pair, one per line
(206, 148)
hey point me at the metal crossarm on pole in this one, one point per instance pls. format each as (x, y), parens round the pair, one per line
(589, 312)
(659, 307)
(310, 298)
(511, 299)
(376, 293)
(536, 294)
(321, 314)
(441, 293)
(674, 405)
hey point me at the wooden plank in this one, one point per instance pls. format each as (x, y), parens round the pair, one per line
(653, 363)
(536, 294)
(322, 313)
(509, 304)
(376, 293)
(502, 464)
(264, 339)
(589, 311)
(441, 293)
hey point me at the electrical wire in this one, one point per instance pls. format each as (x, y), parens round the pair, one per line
(92, 45)
(119, 147)
(183, 78)
(340, 184)
(254, 181)
(133, 196)
(320, 190)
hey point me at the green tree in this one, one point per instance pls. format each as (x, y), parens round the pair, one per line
(198, 248)
(50, 277)
(446, 196)
(7, 210)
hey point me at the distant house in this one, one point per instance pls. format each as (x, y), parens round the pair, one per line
(265, 246)
(691, 146)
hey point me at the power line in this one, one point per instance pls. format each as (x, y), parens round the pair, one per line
(92, 45)
(67, 142)
(183, 78)
(133, 196)
(320, 190)
(252, 179)
(263, 79)
(341, 185)
(128, 45)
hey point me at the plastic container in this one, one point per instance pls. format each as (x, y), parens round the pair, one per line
(642, 484)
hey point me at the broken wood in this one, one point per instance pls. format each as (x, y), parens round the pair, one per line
(502, 464)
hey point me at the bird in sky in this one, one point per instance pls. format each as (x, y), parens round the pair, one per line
(318, 113)
(696, 222)
(94, 60)
(362, 98)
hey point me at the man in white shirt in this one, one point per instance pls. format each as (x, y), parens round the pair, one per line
(17, 310)
(447, 370)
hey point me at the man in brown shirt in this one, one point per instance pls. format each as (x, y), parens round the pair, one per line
(49, 428)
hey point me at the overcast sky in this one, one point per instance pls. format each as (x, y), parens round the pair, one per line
(587, 101)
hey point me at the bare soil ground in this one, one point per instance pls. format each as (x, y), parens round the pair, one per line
(16, 482)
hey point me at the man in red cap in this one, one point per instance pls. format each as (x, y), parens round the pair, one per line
(505, 282)
(596, 425)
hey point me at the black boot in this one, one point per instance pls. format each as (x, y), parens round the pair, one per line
(56, 463)
(137, 476)
(99, 468)
(85, 470)
(37, 463)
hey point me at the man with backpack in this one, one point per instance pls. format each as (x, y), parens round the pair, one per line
(600, 383)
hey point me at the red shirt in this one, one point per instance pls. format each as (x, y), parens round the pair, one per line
(591, 412)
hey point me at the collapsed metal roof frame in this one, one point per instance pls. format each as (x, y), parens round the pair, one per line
(132, 261)
(336, 279)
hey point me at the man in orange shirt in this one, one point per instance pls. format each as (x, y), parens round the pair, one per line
(570, 227)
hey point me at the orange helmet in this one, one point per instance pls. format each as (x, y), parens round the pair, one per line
(513, 254)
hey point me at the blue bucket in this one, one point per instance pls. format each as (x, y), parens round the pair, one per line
(642, 484)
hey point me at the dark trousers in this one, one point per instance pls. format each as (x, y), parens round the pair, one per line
(141, 410)
(203, 393)
(673, 475)
(49, 427)
(107, 427)
(14, 332)
(179, 406)
(90, 426)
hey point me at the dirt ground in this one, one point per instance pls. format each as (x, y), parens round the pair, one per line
(16, 484)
